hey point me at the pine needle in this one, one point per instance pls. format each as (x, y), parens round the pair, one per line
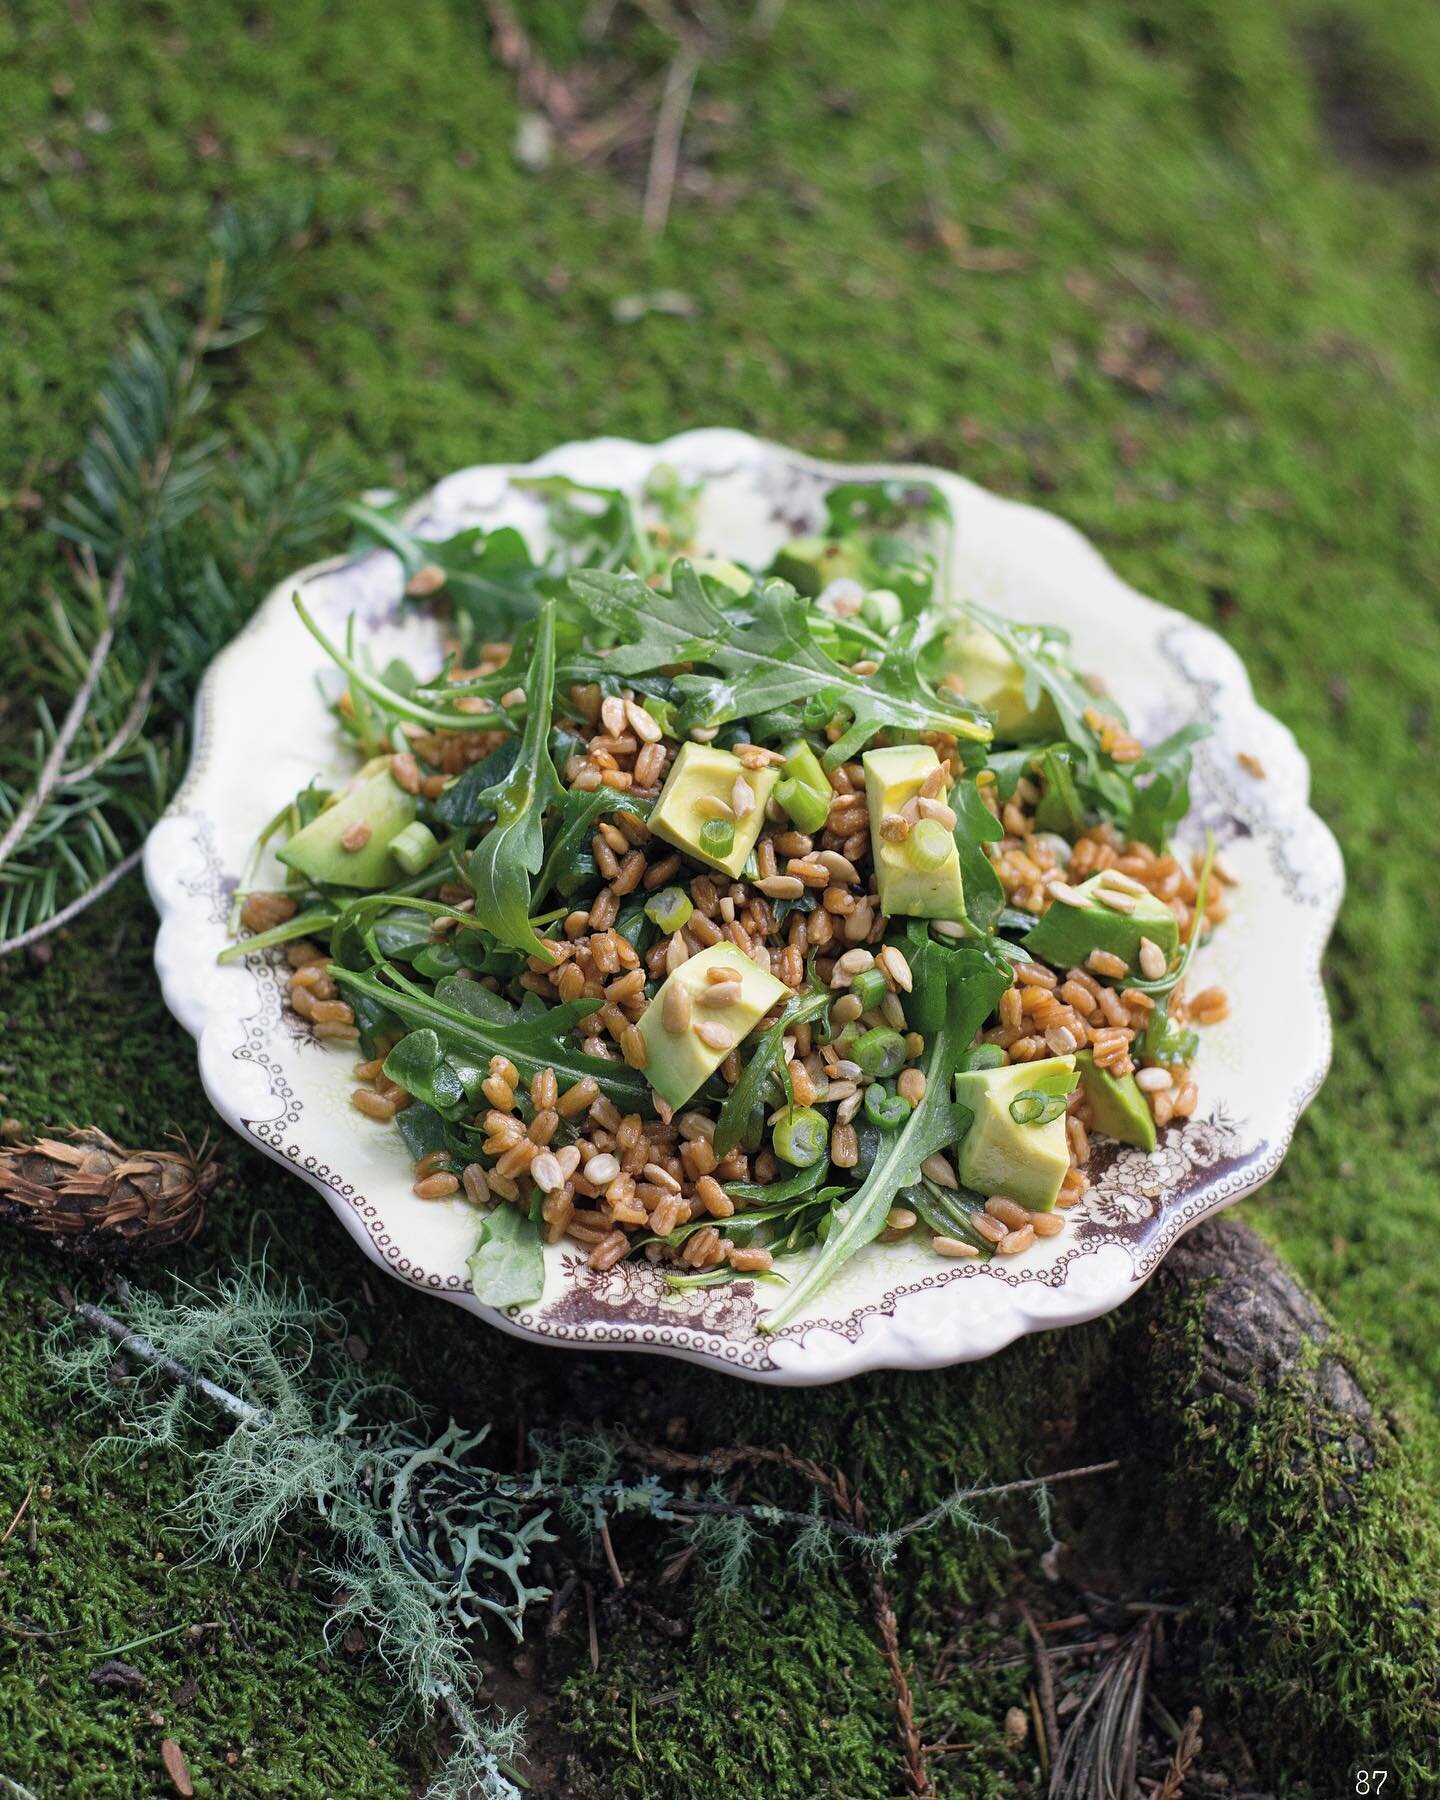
(166, 532)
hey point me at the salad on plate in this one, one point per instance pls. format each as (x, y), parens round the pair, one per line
(738, 918)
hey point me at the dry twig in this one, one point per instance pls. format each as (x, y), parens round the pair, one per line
(665, 147)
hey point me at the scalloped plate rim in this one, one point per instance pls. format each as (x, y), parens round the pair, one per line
(885, 1340)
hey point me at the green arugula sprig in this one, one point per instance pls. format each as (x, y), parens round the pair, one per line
(766, 1058)
(1146, 799)
(976, 826)
(578, 814)
(955, 992)
(489, 576)
(512, 850)
(390, 699)
(507, 1265)
(765, 656)
(541, 1041)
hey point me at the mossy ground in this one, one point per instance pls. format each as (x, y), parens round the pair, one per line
(1213, 346)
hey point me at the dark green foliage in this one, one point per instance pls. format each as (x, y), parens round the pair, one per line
(956, 990)
(1216, 357)
(508, 857)
(765, 656)
(507, 1266)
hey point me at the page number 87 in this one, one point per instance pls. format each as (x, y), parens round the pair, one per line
(1371, 1781)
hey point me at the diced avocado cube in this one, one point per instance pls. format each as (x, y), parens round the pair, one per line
(700, 788)
(919, 879)
(315, 850)
(699, 1035)
(739, 581)
(1001, 1156)
(1065, 935)
(1117, 1105)
(810, 564)
(991, 677)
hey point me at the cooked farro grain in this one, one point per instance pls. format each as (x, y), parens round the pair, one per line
(367, 1101)
(263, 912)
(911, 1085)
(436, 1187)
(747, 1260)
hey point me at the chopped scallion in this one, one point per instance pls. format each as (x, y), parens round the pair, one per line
(414, 848)
(717, 838)
(928, 844)
(669, 909)
(1032, 1107)
(880, 1052)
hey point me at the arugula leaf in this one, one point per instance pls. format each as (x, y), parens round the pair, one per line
(1007, 766)
(976, 826)
(490, 577)
(783, 1200)
(742, 1099)
(804, 1184)
(507, 1265)
(948, 1211)
(318, 919)
(869, 513)
(421, 1067)
(463, 803)
(1042, 651)
(391, 700)
(868, 506)
(1114, 790)
(1163, 802)
(607, 536)
(422, 1129)
(579, 812)
(475, 999)
(1059, 809)
(766, 656)
(531, 1044)
(970, 988)
(514, 847)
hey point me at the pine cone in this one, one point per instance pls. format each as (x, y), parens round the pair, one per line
(100, 1200)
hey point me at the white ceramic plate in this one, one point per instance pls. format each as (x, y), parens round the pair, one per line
(262, 732)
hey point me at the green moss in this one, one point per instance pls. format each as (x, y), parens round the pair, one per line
(1315, 1567)
(1215, 353)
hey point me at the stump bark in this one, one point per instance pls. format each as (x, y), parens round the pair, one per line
(1281, 1496)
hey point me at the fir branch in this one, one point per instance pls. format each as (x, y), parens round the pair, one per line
(52, 770)
(147, 602)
